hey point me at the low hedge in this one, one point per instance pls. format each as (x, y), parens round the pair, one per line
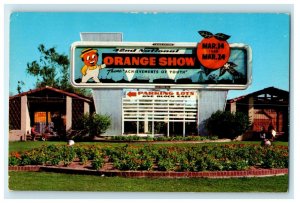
(161, 158)
(162, 138)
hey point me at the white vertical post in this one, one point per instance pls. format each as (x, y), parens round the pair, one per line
(123, 122)
(146, 123)
(168, 130)
(86, 108)
(138, 117)
(184, 118)
(69, 113)
(233, 107)
(251, 109)
(25, 118)
(153, 117)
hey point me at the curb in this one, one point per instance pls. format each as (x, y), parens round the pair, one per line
(24, 168)
(156, 174)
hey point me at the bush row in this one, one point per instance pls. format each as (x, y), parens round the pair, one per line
(161, 158)
(162, 138)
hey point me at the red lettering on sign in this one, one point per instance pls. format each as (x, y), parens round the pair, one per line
(108, 60)
(118, 61)
(135, 61)
(163, 61)
(152, 61)
(127, 61)
(149, 61)
(144, 61)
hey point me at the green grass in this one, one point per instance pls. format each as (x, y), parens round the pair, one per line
(17, 146)
(24, 146)
(42, 181)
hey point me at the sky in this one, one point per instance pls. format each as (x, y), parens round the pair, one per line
(268, 34)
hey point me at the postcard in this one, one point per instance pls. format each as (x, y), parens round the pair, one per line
(149, 101)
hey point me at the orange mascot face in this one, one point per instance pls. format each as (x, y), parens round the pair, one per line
(90, 57)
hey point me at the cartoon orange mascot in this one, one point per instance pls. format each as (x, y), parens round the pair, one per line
(90, 70)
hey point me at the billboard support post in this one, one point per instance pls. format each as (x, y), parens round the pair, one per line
(107, 101)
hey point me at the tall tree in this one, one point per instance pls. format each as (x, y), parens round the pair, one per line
(20, 85)
(52, 69)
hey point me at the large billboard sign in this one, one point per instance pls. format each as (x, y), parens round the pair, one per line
(212, 63)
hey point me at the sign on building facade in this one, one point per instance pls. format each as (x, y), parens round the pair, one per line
(209, 64)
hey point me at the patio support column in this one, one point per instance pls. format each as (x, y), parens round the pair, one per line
(233, 107)
(86, 108)
(251, 109)
(25, 118)
(68, 113)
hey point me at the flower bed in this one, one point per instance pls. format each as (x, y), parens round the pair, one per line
(157, 158)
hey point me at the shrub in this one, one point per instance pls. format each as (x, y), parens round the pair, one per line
(146, 163)
(239, 165)
(26, 159)
(161, 138)
(125, 138)
(93, 152)
(187, 165)
(275, 158)
(127, 163)
(166, 165)
(149, 138)
(184, 165)
(95, 124)
(118, 138)
(133, 138)
(200, 163)
(225, 124)
(213, 164)
(213, 137)
(194, 138)
(54, 161)
(132, 158)
(14, 159)
(97, 163)
(83, 159)
(67, 154)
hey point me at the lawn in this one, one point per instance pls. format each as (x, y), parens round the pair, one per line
(42, 181)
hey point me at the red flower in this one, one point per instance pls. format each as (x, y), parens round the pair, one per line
(16, 154)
